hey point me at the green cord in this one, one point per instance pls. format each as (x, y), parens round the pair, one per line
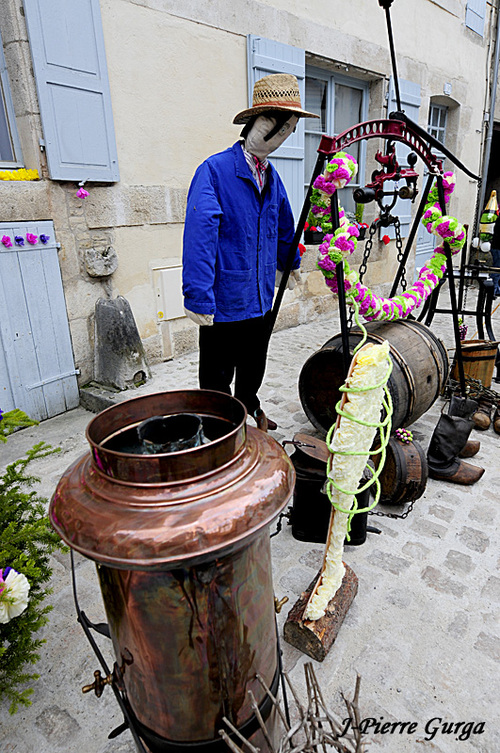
(384, 428)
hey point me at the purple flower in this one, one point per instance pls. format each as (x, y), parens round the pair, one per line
(344, 244)
(44, 238)
(82, 193)
(343, 173)
(324, 185)
(32, 239)
(326, 263)
(6, 241)
(19, 240)
(332, 283)
(365, 305)
(1, 414)
(325, 245)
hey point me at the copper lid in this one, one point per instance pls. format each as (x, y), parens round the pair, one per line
(135, 511)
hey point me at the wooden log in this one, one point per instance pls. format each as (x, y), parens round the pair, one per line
(316, 637)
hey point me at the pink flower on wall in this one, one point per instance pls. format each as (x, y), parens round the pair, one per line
(82, 193)
(32, 239)
(6, 241)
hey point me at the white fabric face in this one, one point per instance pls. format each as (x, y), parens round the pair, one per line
(255, 143)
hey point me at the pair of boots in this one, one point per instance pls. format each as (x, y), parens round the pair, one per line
(450, 443)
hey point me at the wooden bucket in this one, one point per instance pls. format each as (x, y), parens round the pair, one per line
(479, 360)
(405, 472)
(420, 369)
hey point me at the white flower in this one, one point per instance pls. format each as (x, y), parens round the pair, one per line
(14, 590)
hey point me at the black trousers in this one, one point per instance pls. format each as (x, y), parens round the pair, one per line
(235, 350)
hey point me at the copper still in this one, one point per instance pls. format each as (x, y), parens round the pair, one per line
(181, 544)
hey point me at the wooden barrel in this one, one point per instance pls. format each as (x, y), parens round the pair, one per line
(405, 472)
(420, 369)
(479, 357)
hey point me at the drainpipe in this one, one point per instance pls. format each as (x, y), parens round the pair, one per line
(489, 135)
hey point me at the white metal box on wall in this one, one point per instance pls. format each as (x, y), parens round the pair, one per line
(168, 291)
(167, 283)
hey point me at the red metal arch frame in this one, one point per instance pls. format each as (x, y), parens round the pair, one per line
(395, 130)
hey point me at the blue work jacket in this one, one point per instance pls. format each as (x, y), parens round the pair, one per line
(234, 238)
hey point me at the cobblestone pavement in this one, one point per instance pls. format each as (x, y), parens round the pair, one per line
(423, 630)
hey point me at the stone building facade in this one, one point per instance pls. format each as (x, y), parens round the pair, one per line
(176, 74)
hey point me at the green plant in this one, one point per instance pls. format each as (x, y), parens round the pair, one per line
(12, 420)
(26, 542)
(360, 208)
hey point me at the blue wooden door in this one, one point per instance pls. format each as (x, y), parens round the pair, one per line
(37, 371)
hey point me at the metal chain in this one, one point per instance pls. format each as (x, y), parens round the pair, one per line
(393, 514)
(368, 247)
(467, 282)
(399, 246)
(474, 388)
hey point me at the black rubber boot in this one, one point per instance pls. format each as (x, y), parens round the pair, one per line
(448, 440)
(463, 407)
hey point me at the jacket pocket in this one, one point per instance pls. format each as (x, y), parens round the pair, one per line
(233, 290)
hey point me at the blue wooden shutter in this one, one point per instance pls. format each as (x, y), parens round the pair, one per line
(8, 128)
(264, 58)
(69, 63)
(410, 103)
(37, 371)
(475, 13)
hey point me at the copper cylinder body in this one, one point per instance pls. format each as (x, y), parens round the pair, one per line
(181, 543)
(198, 637)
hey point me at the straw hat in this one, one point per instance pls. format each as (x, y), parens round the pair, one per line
(280, 91)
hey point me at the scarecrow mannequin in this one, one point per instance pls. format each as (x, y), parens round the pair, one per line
(237, 235)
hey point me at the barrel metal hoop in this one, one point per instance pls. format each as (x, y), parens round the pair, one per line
(472, 358)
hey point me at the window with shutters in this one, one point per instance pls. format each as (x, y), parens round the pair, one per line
(10, 148)
(340, 102)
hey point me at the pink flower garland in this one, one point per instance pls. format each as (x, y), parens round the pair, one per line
(338, 245)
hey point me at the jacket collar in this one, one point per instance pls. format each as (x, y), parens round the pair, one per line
(243, 170)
